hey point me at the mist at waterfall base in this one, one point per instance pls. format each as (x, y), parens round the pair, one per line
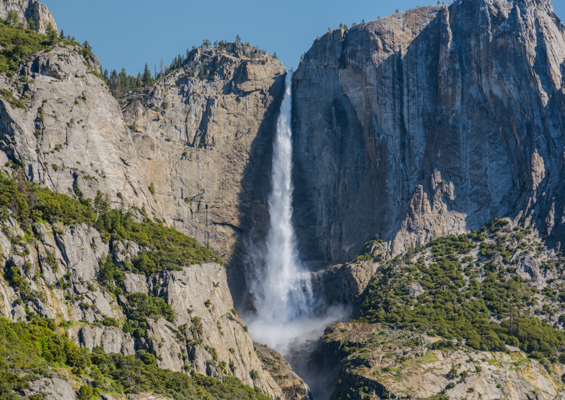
(287, 312)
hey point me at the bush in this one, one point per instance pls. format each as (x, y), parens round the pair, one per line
(32, 203)
(167, 249)
(109, 321)
(84, 393)
(144, 306)
(30, 351)
(453, 309)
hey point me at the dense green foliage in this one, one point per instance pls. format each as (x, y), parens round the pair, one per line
(165, 248)
(18, 43)
(35, 349)
(148, 306)
(462, 296)
(131, 374)
(27, 351)
(32, 203)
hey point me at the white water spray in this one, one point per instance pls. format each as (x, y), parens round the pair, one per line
(282, 288)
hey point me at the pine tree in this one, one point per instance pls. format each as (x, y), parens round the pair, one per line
(31, 24)
(51, 33)
(62, 34)
(206, 43)
(12, 18)
(237, 39)
(146, 78)
(122, 78)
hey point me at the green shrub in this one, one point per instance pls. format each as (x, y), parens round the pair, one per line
(35, 349)
(142, 306)
(9, 97)
(455, 305)
(109, 321)
(167, 248)
(84, 393)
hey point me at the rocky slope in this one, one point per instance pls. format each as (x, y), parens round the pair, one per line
(62, 275)
(378, 362)
(471, 303)
(430, 122)
(292, 386)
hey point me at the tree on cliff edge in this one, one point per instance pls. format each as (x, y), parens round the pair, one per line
(146, 78)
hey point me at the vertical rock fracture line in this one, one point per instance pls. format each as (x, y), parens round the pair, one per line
(283, 293)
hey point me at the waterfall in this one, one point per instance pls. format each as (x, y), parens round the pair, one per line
(282, 289)
(286, 311)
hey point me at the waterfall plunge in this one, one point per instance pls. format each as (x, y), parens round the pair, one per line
(282, 288)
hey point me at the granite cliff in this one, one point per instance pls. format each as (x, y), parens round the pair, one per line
(200, 138)
(423, 124)
(26, 9)
(430, 122)
(56, 273)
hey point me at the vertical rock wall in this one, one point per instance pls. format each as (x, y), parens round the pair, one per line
(429, 122)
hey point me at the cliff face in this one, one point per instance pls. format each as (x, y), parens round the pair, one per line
(29, 9)
(61, 281)
(203, 136)
(430, 122)
(191, 150)
(200, 138)
(377, 363)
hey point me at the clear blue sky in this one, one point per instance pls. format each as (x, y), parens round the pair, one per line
(130, 33)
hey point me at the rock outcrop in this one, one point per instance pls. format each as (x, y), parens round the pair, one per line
(70, 129)
(430, 122)
(33, 9)
(203, 136)
(62, 271)
(376, 362)
(292, 386)
(200, 138)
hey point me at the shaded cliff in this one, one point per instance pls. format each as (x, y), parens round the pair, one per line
(430, 122)
(203, 135)
(193, 149)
